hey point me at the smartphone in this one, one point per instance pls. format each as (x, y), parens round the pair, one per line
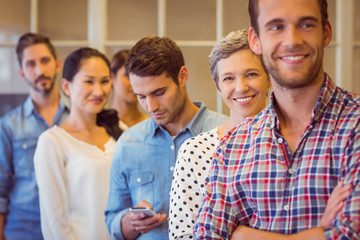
(145, 210)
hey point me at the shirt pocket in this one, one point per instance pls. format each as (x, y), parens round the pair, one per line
(141, 185)
(23, 157)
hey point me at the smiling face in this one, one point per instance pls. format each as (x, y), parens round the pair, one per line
(243, 83)
(291, 40)
(39, 68)
(160, 96)
(122, 88)
(91, 86)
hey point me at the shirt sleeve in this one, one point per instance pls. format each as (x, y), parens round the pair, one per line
(347, 222)
(5, 165)
(49, 160)
(119, 200)
(185, 196)
(216, 218)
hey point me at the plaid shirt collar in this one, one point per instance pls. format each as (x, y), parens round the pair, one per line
(327, 90)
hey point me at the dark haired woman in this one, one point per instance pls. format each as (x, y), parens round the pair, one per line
(72, 161)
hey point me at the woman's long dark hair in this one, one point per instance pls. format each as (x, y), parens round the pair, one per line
(106, 118)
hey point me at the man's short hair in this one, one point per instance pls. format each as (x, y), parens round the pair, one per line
(152, 56)
(29, 39)
(253, 9)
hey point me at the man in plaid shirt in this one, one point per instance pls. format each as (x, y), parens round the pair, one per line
(273, 175)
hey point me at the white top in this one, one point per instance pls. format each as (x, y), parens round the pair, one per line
(188, 185)
(73, 179)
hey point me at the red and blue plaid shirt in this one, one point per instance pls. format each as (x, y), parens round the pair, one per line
(256, 182)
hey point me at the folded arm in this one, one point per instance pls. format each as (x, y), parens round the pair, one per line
(333, 207)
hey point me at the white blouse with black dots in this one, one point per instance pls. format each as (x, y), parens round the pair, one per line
(188, 184)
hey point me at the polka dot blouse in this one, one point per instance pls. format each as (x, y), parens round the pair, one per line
(188, 184)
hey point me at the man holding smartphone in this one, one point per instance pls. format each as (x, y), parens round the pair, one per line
(148, 212)
(145, 154)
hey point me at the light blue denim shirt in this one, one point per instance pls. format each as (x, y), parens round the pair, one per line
(19, 199)
(143, 166)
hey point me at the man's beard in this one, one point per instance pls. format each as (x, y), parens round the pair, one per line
(44, 91)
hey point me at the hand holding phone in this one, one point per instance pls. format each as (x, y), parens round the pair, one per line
(145, 210)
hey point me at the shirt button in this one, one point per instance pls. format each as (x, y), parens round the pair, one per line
(311, 126)
(286, 207)
(280, 140)
(291, 170)
(24, 146)
(171, 168)
(172, 147)
(138, 179)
